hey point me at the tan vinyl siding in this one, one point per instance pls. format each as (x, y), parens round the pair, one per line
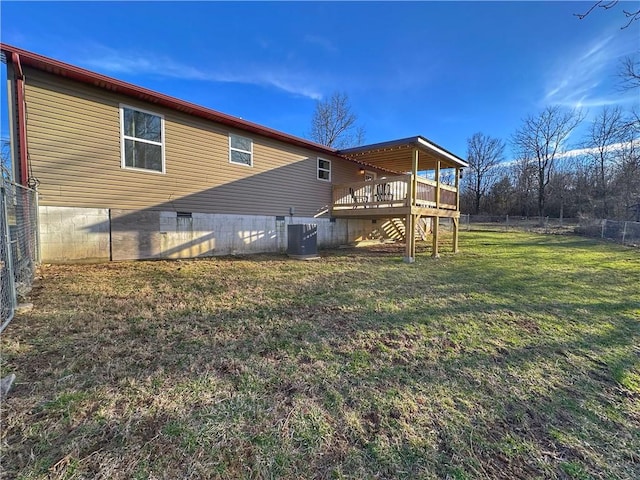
(74, 148)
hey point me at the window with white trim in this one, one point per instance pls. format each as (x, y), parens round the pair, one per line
(240, 150)
(324, 169)
(142, 139)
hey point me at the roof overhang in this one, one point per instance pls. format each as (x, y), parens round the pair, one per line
(397, 155)
(394, 156)
(72, 72)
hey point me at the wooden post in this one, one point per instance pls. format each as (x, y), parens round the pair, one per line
(457, 189)
(456, 227)
(435, 228)
(438, 184)
(410, 239)
(456, 221)
(414, 221)
(435, 221)
(414, 177)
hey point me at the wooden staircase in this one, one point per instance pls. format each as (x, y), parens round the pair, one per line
(395, 229)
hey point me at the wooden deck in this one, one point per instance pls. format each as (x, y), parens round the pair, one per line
(395, 196)
(406, 196)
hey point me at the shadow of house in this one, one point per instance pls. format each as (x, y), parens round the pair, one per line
(128, 173)
(204, 223)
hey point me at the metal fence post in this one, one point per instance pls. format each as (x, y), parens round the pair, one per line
(36, 214)
(19, 246)
(8, 260)
(627, 232)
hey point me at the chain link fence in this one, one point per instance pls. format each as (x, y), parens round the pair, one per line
(510, 222)
(18, 246)
(625, 232)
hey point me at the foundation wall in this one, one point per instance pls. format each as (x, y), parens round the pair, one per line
(70, 234)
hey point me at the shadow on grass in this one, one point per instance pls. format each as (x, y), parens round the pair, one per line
(372, 369)
(262, 362)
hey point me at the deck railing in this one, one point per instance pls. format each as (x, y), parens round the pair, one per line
(448, 197)
(393, 191)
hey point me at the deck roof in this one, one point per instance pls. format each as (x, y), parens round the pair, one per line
(397, 155)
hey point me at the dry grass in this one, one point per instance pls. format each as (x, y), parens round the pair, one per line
(518, 358)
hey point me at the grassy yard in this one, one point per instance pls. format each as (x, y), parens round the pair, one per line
(518, 358)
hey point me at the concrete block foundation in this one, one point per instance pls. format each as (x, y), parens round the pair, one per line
(92, 235)
(69, 234)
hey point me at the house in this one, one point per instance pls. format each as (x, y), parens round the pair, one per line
(127, 173)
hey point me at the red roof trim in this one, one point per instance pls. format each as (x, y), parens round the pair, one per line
(62, 69)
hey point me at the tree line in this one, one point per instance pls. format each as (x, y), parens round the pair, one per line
(597, 176)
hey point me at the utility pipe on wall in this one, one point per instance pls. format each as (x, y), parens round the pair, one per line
(22, 120)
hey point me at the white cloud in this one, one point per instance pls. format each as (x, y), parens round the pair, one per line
(142, 63)
(614, 147)
(587, 78)
(581, 152)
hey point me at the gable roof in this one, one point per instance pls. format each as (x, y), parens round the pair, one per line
(72, 72)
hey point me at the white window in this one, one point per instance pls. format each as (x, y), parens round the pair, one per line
(142, 139)
(324, 169)
(240, 150)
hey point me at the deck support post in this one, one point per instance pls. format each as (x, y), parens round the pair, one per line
(414, 177)
(410, 239)
(438, 184)
(456, 226)
(410, 223)
(456, 220)
(457, 185)
(435, 228)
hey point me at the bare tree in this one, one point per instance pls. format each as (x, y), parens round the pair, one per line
(631, 15)
(626, 182)
(630, 68)
(501, 196)
(560, 192)
(484, 155)
(334, 123)
(541, 138)
(630, 73)
(605, 131)
(524, 174)
(583, 194)
(5, 159)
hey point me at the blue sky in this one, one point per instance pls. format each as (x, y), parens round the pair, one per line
(440, 69)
